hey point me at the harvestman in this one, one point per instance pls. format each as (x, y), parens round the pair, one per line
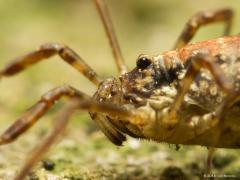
(185, 96)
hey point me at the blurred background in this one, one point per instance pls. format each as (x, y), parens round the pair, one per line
(142, 26)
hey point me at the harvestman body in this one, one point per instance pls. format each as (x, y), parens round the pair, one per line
(186, 96)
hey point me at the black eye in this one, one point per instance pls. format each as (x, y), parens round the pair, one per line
(143, 62)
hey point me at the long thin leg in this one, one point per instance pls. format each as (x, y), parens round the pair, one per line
(103, 12)
(201, 19)
(48, 100)
(208, 165)
(61, 122)
(196, 63)
(58, 127)
(46, 51)
(220, 114)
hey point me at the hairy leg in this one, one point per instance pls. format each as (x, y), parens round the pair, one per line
(38, 152)
(201, 19)
(49, 99)
(47, 51)
(103, 12)
(208, 167)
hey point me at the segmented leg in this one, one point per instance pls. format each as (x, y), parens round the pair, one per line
(220, 114)
(48, 100)
(59, 125)
(46, 51)
(78, 101)
(103, 12)
(211, 152)
(201, 19)
(196, 63)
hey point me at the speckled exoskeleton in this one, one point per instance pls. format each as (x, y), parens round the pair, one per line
(189, 95)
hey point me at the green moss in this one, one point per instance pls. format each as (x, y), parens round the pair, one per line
(220, 161)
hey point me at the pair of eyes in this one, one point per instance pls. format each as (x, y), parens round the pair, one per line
(143, 62)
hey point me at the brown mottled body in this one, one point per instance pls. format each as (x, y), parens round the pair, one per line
(186, 96)
(196, 117)
(226, 54)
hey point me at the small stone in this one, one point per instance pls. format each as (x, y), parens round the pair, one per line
(48, 165)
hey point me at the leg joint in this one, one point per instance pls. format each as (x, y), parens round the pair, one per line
(55, 94)
(57, 47)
